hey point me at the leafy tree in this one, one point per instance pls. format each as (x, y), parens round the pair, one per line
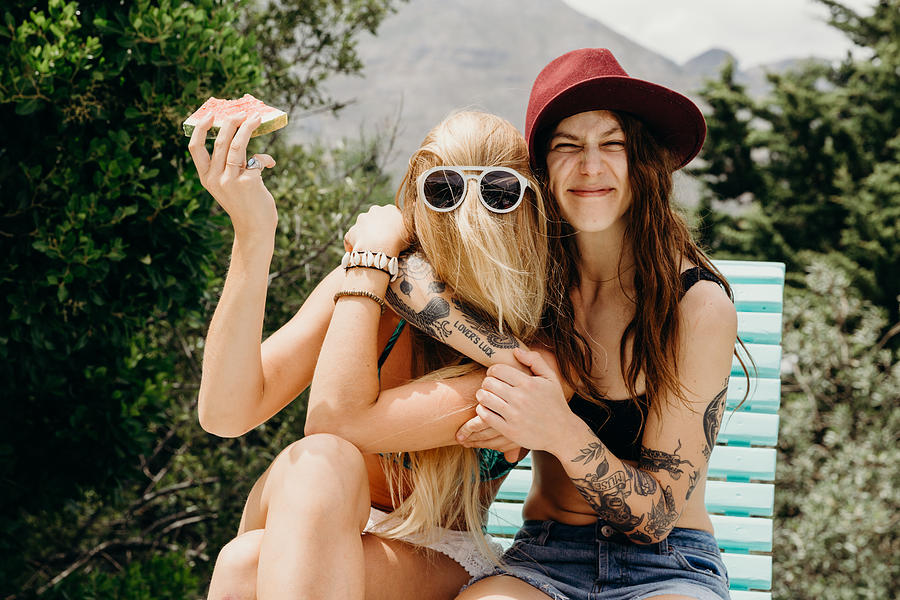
(113, 255)
(823, 148)
(821, 192)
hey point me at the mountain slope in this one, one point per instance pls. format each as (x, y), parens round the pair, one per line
(435, 56)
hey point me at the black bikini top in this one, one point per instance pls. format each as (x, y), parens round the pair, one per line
(621, 427)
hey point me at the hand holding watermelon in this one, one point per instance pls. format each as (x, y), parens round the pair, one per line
(236, 185)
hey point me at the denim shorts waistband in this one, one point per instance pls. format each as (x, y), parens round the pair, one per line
(588, 534)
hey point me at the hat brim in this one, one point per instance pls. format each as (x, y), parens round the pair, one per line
(673, 119)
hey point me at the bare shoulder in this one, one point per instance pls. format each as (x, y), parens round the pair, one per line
(707, 310)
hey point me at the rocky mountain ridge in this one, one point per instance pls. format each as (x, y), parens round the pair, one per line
(436, 56)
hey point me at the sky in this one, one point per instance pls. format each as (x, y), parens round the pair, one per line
(754, 31)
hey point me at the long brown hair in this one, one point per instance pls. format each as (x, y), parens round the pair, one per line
(660, 239)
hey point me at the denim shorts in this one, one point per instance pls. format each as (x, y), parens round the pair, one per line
(596, 562)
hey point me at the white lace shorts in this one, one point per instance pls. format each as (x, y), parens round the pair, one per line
(458, 545)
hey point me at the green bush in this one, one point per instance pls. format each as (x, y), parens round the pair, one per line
(838, 487)
(163, 577)
(113, 259)
(104, 226)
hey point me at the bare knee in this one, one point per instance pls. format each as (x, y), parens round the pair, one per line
(234, 576)
(319, 470)
(242, 552)
(329, 459)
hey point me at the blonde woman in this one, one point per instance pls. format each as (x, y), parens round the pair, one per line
(377, 501)
(644, 329)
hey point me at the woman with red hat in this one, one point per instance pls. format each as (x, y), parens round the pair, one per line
(643, 328)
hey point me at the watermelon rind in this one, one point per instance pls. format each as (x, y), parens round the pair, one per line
(273, 118)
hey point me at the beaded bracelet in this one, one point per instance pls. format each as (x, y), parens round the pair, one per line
(371, 260)
(361, 294)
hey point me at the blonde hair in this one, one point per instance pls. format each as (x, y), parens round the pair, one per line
(497, 264)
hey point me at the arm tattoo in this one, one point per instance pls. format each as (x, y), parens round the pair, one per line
(432, 320)
(662, 515)
(474, 324)
(607, 493)
(693, 478)
(593, 451)
(644, 483)
(657, 460)
(428, 320)
(712, 419)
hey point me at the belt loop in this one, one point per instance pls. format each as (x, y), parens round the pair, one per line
(663, 546)
(545, 532)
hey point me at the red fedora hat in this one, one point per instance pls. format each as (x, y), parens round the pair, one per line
(592, 79)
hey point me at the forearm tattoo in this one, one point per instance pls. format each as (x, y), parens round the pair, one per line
(657, 460)
(644, 483)
(593, 451)
(432, 319)
(662, 515)
(495, 339)
(608, 492)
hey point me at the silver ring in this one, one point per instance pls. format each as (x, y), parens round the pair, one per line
(253, 163)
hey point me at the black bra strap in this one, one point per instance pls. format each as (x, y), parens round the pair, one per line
(695, 274)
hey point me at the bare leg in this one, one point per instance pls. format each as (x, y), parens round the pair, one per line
(305, 503)
(396, 570)
(502, 587)
(234, 577)
(314, 500)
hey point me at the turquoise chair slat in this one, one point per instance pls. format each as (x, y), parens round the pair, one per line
(742, 534)
(749, 429)
(515, 487)
(759, 327)
(764, 397)
(504, 518)
(758, 297)
(748, 571)
(744, 595)
(736, 463)
(749, 271)
(740, 498)
(766, 358)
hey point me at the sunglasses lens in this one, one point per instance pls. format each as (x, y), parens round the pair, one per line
(500, 190)
(444, 189)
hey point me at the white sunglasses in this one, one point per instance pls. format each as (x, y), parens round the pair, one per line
(500, 189)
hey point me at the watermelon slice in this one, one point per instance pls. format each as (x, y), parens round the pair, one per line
(272, 118)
